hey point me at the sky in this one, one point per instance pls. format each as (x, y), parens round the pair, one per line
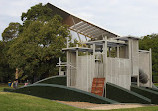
(122, 17)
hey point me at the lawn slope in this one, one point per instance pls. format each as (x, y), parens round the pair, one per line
(21, 102)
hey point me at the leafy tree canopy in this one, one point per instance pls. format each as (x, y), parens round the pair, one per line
(6, 73)
(11, 32)
(38, 47)
(37, 43)
(37, 12)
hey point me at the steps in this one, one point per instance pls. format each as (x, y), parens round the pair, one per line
(98, 86)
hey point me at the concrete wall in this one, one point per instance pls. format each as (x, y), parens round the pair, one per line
(119, 72)
(71, 71)
(85, 74)
(144, 65)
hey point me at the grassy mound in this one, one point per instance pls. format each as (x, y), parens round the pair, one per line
(21, 102)
(123, 95)
(63, 93)
(153, 95)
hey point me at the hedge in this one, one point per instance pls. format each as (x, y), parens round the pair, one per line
(63, 93)
(153, 95)
(60, 80)
(8, 90)
(123, 95)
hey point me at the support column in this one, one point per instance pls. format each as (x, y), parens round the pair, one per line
(93, 65)
(68, 66)
(105, 60)
(138, 81)
(150, 59)
(118, 49)
(130, 55)
(77, 75)
(59, 66)
(87, 72)
(68, 69)
(105, 56)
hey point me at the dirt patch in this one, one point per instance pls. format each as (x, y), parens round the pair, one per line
(92, 106)
(118, 106)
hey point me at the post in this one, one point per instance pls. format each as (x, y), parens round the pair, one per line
(150, 66)
(138, 81)
(93, 65)
(87, 71)
(105, 60)
(77, 61)
(59, 66)
(67, 42)
(130, 55)
(118, 51)
(68, 68)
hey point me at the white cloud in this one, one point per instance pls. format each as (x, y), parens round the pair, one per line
(125, 17)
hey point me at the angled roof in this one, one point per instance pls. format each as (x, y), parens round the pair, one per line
(81, 26)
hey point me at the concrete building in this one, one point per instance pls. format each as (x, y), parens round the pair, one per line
(103, 54)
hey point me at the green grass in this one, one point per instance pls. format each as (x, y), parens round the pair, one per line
(156, 84)
(21, 102)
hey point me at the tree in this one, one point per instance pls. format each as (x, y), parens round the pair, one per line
(11, 32)
(151, 41)
(38, 47)
(34, 47)
(6, 73)
(37, 12)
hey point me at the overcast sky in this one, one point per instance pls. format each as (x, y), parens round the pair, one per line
(123, 17)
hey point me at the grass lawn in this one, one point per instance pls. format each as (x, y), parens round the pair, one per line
(156, 84)
(21, 102)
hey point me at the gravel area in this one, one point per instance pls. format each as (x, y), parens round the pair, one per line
(92, 106)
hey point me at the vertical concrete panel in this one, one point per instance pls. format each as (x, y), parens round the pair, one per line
(135, 58)
(123, 52)
(72, 63)
(119, 73)
(144, 65)
(84, 81)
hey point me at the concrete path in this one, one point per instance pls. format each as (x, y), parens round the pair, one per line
(92, 106)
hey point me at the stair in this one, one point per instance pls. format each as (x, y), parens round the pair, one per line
(98, 86)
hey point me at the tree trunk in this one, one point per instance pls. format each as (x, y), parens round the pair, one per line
(17, 73)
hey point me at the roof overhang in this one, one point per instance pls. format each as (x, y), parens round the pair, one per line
(81, 26)
(126, 38)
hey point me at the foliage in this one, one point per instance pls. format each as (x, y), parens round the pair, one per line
(11, 32)
(37, 12)
(38, 47)
(34, 46)
(151, 41)
(6, 73)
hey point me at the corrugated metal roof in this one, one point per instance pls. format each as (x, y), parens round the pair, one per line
(81, 26)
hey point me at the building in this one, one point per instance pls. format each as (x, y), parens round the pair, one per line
(103, 55)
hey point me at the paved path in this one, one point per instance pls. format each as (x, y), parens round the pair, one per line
(92, 106)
